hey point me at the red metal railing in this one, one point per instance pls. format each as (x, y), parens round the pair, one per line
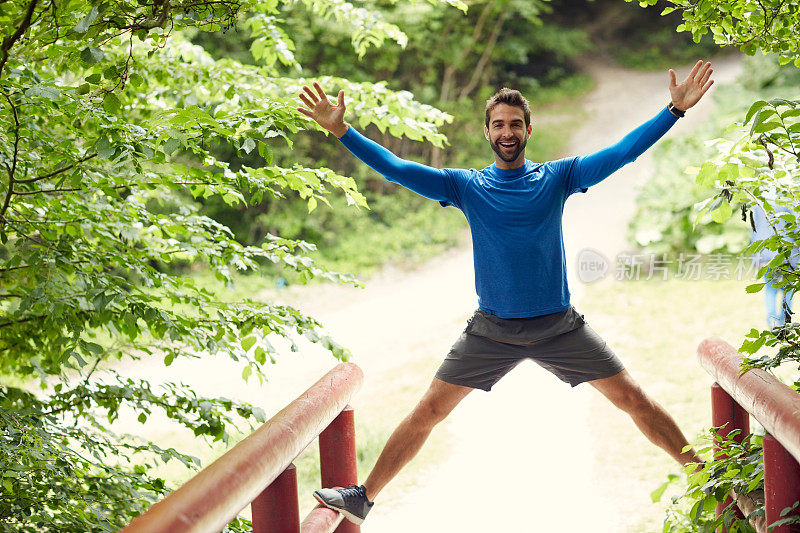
(259, 469)
(774, 405)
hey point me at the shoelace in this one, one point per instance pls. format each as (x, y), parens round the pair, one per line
(353, 492)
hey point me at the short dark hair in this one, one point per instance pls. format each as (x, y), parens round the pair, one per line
(510, 97)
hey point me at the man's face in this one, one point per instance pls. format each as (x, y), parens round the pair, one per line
(507, 133)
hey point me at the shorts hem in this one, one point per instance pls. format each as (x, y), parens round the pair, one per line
(463, 383)
(593, 378)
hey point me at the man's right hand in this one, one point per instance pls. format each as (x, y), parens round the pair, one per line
(330, 117)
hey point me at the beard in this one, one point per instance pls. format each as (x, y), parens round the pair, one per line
(515, 154)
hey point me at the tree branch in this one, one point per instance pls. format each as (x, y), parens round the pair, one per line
(5, 324)
(9, 41)
(13, 168)
(129, 186)
(487, 53)
(9, 269)
(57, 172)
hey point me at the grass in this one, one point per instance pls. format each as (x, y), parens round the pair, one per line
(655, 327)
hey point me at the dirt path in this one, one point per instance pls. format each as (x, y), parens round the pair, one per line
(525, 450)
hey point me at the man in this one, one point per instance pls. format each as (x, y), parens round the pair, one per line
(514, 208)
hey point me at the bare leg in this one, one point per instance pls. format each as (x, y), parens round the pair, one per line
(404, 443)
(651, 419)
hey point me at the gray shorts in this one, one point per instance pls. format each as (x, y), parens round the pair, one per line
(560, 342)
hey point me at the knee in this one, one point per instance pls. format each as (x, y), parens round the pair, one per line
(429, 413)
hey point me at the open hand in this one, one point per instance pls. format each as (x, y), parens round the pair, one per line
(688, 93)
(330, 117)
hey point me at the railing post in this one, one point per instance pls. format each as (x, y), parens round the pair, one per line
(781, 483)
(337, 458)
(726, 412)
(276, 509)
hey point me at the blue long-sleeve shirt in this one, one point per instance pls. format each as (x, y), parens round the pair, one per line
(514, 215)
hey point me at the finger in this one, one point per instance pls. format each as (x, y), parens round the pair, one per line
(320, 91)
(310, 94)
(707, 86)
(705, 77)
(695, 69)
(306, 112)
(306, 101)
(703, 71)
(340, 102)
(673, 80)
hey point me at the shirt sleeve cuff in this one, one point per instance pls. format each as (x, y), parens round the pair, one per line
(347, 134)
(666, 112)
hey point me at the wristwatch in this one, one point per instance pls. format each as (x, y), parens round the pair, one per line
(675, 111)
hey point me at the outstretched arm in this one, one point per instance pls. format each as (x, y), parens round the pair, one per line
(592, 169)
(424, 180)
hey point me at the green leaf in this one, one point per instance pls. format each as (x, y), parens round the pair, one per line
(111, 103)
(260, 355)
(729, 171)
(247, 372)
(656, 495)
(265, 151)
(104, 148)
(171, 145)
(248, 144)
(722, 213)
(94, 348)
(142, 418)
(92, 55)
(46, 91)
(83, 25)
(707, 175)
(764, 127)
(755, 287)
(754, 108)
(248, 343)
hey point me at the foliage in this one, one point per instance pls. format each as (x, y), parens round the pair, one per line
(738, 467)
(111, 122)
(78, 476)
(489, 44)
(666, 220)
(760, 167)
(660, 49)
(750, 25)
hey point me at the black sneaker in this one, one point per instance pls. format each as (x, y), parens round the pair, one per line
(351, 502)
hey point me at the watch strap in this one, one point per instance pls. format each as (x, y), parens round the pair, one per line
(675, 111)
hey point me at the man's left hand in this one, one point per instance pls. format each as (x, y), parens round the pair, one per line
(692, 89)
